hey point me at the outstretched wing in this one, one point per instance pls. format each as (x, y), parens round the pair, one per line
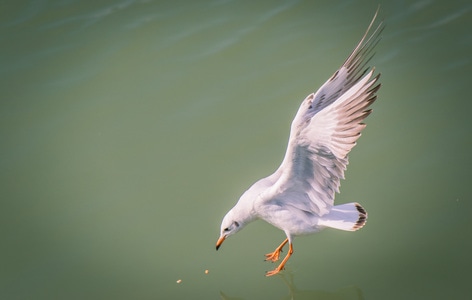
(326, 128)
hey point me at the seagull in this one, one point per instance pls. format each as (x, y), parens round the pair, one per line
(298, 197)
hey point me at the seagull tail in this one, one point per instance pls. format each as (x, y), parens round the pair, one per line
(349, 217)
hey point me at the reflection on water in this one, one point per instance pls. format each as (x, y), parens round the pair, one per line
(226, 297)
(346, 293)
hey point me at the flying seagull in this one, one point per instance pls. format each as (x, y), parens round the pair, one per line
(298, 197)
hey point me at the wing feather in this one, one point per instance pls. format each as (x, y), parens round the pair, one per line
(326, 128)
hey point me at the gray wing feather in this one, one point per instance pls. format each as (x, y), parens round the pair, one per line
(326, 127)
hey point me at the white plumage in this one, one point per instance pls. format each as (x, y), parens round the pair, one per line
(298, 197)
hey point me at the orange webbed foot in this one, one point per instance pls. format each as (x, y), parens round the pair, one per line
(284, 261)
(273, 256)
(273, 272)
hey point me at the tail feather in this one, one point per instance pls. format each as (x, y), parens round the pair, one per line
(349, 217)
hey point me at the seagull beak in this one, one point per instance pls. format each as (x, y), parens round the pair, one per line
(220, 241)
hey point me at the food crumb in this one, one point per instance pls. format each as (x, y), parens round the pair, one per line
(179, 281)
(206, 271)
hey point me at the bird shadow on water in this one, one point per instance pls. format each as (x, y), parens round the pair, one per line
(351, 292)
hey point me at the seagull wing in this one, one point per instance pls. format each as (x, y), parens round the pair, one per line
(325, 129)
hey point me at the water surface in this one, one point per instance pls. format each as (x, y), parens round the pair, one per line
(129, 128)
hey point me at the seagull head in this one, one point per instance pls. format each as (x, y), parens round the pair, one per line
(240, 215)
(229, 226)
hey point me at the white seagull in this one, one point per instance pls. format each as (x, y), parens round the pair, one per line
(298, 197)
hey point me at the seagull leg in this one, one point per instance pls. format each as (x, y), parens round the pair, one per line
(274, 256)
(282, 264)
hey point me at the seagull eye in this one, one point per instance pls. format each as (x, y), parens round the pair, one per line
(226, 229)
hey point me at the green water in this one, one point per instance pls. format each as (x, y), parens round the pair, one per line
(129, 128)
